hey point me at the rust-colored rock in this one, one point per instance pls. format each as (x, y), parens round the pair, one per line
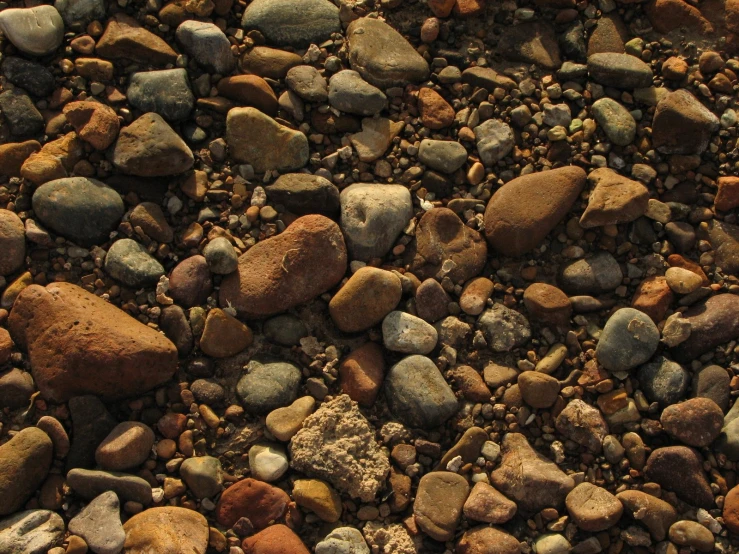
(653, 297)
(125, 38)
(249, 90)
(260, 502)
(276, 539)
(727, 196)
(13, 154)
(547, 304)
(362, 372)
(94, 122)
(731, 510)
(668, 15)
(436, 113)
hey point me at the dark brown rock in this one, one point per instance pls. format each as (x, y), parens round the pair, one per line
(125, 38)
(680, 469)
(695, 422)
(260, 502)
(190, 282)
(713, 322)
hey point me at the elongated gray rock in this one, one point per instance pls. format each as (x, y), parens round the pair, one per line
(99, 523)
(292, 23)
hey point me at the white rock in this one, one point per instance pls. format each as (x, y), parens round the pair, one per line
(267, 462)
(343, 540)
(406, 333)
(36, 31)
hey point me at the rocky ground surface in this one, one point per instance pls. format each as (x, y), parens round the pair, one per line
(291, 276)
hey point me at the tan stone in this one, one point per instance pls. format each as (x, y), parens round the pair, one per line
(224, 335)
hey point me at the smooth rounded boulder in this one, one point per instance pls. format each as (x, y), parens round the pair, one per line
(166, 530)
(79, 344)
(279, 273)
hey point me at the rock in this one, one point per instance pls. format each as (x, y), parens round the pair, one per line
(260, 502)
(538, 390)
(668, 15)
(89, 484)
(283, 423)
(165, 92)
(680, 469)
(621, 71)
(432, 301)
(249, 90)
(125, 38)
(127, 446)
(78, 13)
(12, 156)
(297, 25)
(724, 239)
(166, 530)
(343, 540)
(663, 381)
(91, 423)
(224, 335)
(24, 463)
(190, 282)
(130, 263)
(30, 76)
(487, 540)
(488, 505)
(504, 329)
(438, 505)
(712, 323)
(151, 148)
(418, 394)
(695, 422)
(95, 123)
(443, 155)
(618, 124)
(382, 56)
(302, 194)
(730, 511)
(31, 532)
(286, 330)
(257, 139)
(308, 83)
(582, 424)
(593, 274)
(221, 256)
(207, 45)
(37, 31)
(268, 386)
(337, 444)
(276, 539)
(279, 273)
(267, 462)
(593, 508)
(19, 111)
(609, 35)
(128, 357)
(656, 515)
(150, 217)
(318, 497)
(682, 281)
(727, 196)
(16, 388)
(372, 218)
(691, 533)
(348, 92)
(471, 384)
(713, 382)
(629, 339)
(436, 113)
(269, 62)
(682, 125)
(361, 374)
(552, 543)
(494, 141)
(547, 303)
(408, 334)
(99, 523)
(12, 243)
(615, 199)
(203, 475)
(366, 298)
(375, 138)
(522, 212)
(653, 297)
(532, 43)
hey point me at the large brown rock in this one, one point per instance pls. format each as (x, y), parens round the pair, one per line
(249, 90)
(276, 274)
(615, 199)
(440, 237)
(13, 154)
(256, 500)
(125, 38)
(166, 530)
(24, 462)
(275, 539)
(668, 15)
(681, 124)
(712, 323)
(522, 212)
(79, 344)
(487, 540)
(680, 469)
(655, 514)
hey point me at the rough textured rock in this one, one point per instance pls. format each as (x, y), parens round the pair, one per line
(12, 242)
(682, 125)
(337, 444)
(24, 462)
(615, 199)
(487, 540)
(629, 339)
(439, 501)
(504, 328)
(712, 322)
(680, 469)
(31, 532)
(593, 508)
(166, 530)
(288, 24)
(125, 38)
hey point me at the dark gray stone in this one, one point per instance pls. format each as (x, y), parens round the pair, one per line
(593, 274)
(268, 386)
(303, 193)
(177, 329)
(292, 22)
(348, 92)
(130, 263)
(621, 71)
(90, 483)
(285, 329)
(663, 381)
(78, 13)
(629, 339)
(30, 76)
(20, 113)
(713, 382)
(166, 92)
(207, 45)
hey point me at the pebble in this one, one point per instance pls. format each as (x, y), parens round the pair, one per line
(305, 194)
(203, 475)
(487, 505)
(692, 534)
(16, 388)
(615, 199)
(475, 295)
(256, 500)
(150, 217)
(125, 38)
(349, 93)
(532, 42)
(289, 24)
(439, 502)
(695, 422)
(711, 324)
(682, 125)
(365, 299)
(130, 263)
(655, 514)
(487, 540)
(375, 138)
(12, 242)
(442, 155)
(504, 328)
(582, 423)
(20, 113)
(99, 524)
(308, 83)
(207, 45)
(267, 462)
(629, 339)
(621, 71)
(24, 463)
(343, 540)
(162, 529)
(283, 423)
(318, 497)
(538, 390)
(30, 76)
(268, 386)
(436, 113)
(165, 92)
(682, 281)
(36, 31)
(713, 382)
(190, 282)
(432, 301)
(269, 62)
(249, 90)
(224, 335)
(680, 469)
(78, 13)
(593, 508)
(494, 141)
(127, 446)
(408, 334)
(30, 532)
(221, 256)
(362, 372)
(731, 510)
(276, 539)
(617, 122)
(92, 483)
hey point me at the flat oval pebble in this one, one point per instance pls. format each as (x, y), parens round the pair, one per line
(629, 338)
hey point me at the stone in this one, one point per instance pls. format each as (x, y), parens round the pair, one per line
(532, 43)
(488, 505)
(203, 475)
(438, 505)
(78, 13)
(302, 194)
(408, 334)
(529, 479)
(382, 56)
(149, 147)
(653, 297)
(267, 462)
(283, 423)
(362, 372)
(375, 137)
(285, 329)
(257, 501)
(95, 123)
(91, 423)
(417, 393)
(494, 141)
(443, 155)
(583, 424)
(166, 530)
(682, 125)
(629, 339)
(30, 76)
(276, 539)
(125, 38)
(668, 15)
(727, 196)
(92, 483)
(656, 515)
(621, 71)
(249, 90)
(617, 122)
(552, 543)
(731, 510)
(318, 497)
(615, 199)
(691, 533)
(372, 218)
(504, 328)
(471, 384)
(522, 212)
(190, 282)
(269, 62)
(548, 304)
(436, 113)
(712, 382)
(221, 256)
(663, 381)
(538, 390)
(712, 323)
(487, 540)
(695, 422)
(308, 83)
(343, 540)
(165, 92)
(292, 24)
(99, 523)
(16, 388)
(680, 469)
(432, 301)
(13, 154)
(682, 281)
(207, 45)
(593, 508)
(20, 113)
(255, 138)
(12, 243)
(268, 386)
(337, 444)
(151, 219)
(127, 357)
(130, 263)
(36, 31)
(24, 463)
(348, 92)
(609, 35)
(31, 532)
(224, 335)
(284, 271)
(365, 299)
(127, 446)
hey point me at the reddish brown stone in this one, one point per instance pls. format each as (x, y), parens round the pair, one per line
(727, 196)
(362, 372)
(12, 156)
(469, 8)
(125, 38)
(487, 540)
(695, 422)
(475, 295)
(668, 15)
(190, 282)
(436, 113)
(548, 304)
(260, 502)
(674, 68)
(172, 425)
(276, 539)
(249, 90)
(731, 508)
(94, 122)
(471, 384)
(653, 297)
